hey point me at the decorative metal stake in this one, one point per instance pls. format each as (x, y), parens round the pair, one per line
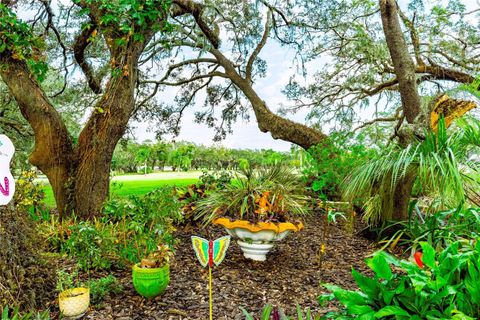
(210, 252)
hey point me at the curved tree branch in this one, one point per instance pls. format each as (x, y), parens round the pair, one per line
(196, 10)
(79, 47)
(258, 48)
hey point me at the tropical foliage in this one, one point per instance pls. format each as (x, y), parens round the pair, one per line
(439, 229)
(441, 285)
(439, 163)
(267, 194)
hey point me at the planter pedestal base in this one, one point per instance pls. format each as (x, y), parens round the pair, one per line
(256, 239)
(255, 251)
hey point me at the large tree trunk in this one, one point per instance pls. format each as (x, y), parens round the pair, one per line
(401, 197)
(79, 175)
(98, 139)
(53, 153)
(420, 118)
(397, 203)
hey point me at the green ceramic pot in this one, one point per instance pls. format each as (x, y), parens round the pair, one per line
(150, 282)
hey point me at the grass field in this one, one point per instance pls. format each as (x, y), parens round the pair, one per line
(124, 186)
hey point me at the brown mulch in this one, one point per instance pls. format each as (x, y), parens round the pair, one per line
(290, 275)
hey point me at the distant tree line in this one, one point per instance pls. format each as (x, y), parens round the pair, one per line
(130, 156)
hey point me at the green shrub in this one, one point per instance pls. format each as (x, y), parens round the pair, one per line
(67, 280)
(143, 223)
(439, 229)
(445, 288)
(129, 230)
(91, 244)
(100, 288)
(329, 163)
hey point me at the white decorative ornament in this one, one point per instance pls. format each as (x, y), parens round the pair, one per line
(7, 183)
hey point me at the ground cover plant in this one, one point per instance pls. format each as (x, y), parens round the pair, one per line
(439, 285)
(129, 230)
(277, 314)
(15, 314)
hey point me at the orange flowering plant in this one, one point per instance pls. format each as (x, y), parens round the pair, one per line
(274, 194)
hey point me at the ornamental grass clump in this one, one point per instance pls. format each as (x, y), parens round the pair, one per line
(274, 194)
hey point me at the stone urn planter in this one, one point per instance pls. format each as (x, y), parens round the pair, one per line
(150, 282)
(257, 239)
(73, 303)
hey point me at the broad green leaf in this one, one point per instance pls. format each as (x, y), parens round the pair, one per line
(388, 296)
(391, 311)
(428, 256)
(360, 309)
(368, 285)
(461, 316)
(365, 316)
(380, 266)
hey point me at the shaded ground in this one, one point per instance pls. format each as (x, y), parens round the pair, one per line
(290, 275)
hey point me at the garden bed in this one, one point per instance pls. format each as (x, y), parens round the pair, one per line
(290, 275)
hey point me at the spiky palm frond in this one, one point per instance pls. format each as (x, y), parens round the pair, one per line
(439, 163)
(240, 198)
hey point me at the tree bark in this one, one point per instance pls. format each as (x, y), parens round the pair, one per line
(79, 174)
(53, 152)
(402, 62)
(401, 197)
(101, 134)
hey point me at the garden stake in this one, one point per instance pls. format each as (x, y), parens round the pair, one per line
(210, 252)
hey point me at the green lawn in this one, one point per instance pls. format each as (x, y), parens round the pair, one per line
(124, 188)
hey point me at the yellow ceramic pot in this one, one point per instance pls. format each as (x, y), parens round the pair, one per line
(73, 303)
(278, 227)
